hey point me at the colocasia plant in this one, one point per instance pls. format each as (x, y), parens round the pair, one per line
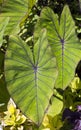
(37, 77)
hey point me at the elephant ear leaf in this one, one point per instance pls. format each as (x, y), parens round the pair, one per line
(3, 23)
(70, 49)
(64, 42)
(18, 11)
(30, 75)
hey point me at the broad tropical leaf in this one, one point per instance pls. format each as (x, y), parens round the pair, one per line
(64, 42)
(30, 76)
(18, 11)
(3, 23)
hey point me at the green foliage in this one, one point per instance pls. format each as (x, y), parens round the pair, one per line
(72, 94)
(18, 11)
(52, 123)
(75, 84)
(30, 76)
(55, 102)
(38, 68)
(3, 23)
(64, 43)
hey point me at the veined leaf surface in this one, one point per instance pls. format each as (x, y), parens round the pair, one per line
(3, 23)
(64, 42)
(18, 11)
(30, 76)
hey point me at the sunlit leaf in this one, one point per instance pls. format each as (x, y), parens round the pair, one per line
(75, 83)
(56, 105)
(30, 76)
(52, 123)
(3, 23)
(18, 11)
(64, 42)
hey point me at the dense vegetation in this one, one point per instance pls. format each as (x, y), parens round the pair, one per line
(40, 67)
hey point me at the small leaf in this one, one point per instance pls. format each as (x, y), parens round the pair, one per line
(54, 108)
(75, 84)
(52, 123)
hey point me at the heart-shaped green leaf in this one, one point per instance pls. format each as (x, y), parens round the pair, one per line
(18, 11)
(64, 42)
(30, 76)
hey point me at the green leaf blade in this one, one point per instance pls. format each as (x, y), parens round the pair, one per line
(70, 49)
(30, 76)
(3, 23)
(18, 11)
(64, 43)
